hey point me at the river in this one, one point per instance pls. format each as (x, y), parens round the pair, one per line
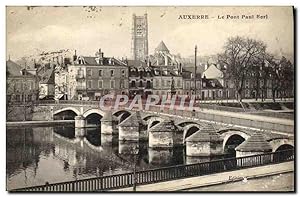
(36, 155)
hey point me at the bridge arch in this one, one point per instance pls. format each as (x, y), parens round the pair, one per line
(281, 144)
(154, 121)
(93, 111)
(76, 111)
(121, 115)
(93, 117)
(185, 123)
(189, 130)
(232, 138)
(66, 113)
(149, 116)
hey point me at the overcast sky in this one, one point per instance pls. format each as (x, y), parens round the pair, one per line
(109, 28)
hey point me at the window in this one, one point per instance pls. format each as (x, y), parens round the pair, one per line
(178, 83)
(100, 73)
(148, 85)
(247, 84)
(89, 72)
(18, 98)
(122, 84)
(100, 84)
(89, 84)
(168, 83)
(30, 85)
(157, 83)
(133, 84)
(112, 84)
(112, 73)
(80, 71)
(187, 85)
(162, 82)
(123, 73)
(24, 87)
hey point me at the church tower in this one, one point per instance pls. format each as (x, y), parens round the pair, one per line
(139, 45)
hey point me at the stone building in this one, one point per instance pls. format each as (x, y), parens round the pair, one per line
(189, 83)
(167, 70)
(140, 78)
(90, 78)
(21, 84)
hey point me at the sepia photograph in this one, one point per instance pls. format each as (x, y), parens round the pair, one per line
(150, 99)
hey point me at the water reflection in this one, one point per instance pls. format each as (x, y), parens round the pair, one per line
(36, 155)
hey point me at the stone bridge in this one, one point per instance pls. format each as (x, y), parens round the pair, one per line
(200, 138)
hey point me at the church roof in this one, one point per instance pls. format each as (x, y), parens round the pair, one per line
(162, 47)
(255, 143)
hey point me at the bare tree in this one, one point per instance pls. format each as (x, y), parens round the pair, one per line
(239, 55)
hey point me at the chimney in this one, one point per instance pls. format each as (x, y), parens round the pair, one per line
(166, 60)
(75, 56)
(206, 66)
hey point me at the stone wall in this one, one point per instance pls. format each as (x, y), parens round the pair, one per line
(203, 148)
(161, 139)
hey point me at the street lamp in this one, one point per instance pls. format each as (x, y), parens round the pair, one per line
(135, 152)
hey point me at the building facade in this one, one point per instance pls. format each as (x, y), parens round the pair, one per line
(22, 86)
(89, 78)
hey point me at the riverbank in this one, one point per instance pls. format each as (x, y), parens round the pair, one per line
(217, 179)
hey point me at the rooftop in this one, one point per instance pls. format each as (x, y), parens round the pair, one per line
(205, 134)
(162, 47)
(14, 69)
(255, 143)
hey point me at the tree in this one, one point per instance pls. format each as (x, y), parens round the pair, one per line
(286, 78)
(239, 55)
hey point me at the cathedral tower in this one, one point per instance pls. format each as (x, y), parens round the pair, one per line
(139, 46)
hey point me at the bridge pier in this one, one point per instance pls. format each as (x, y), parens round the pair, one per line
(205, 142)
(108, 124)
(80, 132)
(80, 122)
(129, 128)
(162, 135)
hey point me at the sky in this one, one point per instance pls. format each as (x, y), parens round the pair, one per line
(37, 29)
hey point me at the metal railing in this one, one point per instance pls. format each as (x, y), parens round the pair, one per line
(163, 174)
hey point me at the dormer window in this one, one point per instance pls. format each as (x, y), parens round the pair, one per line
(97, 60)
(213, 84)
